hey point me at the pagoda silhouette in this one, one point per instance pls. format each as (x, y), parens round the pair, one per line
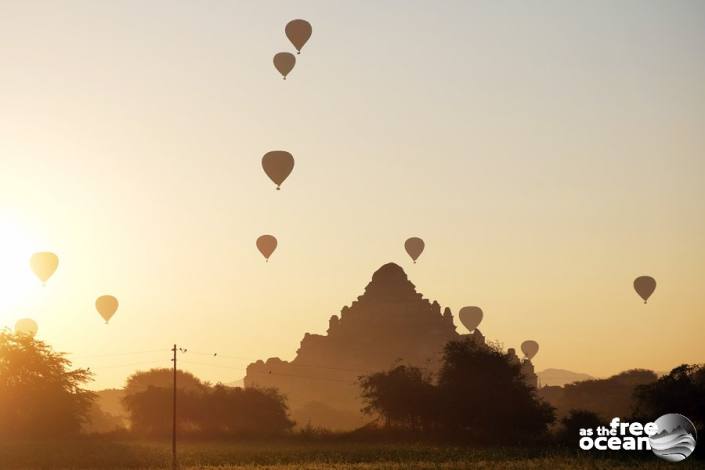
(390, 324)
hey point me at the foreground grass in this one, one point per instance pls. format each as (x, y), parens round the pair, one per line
(289, 455)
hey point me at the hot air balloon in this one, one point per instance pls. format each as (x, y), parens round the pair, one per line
(266, 244)
(298, 32)
(414, 246)
(530, 348)
(26, 326)
(43, 265)
(278, 164)
(284, 62)
(470, 317)
(106, 305)
(644, 286)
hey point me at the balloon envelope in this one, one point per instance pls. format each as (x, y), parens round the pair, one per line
(530, 348)
(266, 244)
(645, 286)
(284, 62)
(278, 165)
(26, 326)
(44, 264)
(470, 317)
(414, 247)
(298, 32)
(106, 305)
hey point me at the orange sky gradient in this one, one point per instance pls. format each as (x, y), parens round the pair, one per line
(547, 153)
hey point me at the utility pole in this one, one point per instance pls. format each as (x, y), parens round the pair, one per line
(174, 464)
(173, 417)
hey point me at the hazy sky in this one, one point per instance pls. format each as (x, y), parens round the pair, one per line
(547, 151)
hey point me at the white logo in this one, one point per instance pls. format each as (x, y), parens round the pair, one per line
(672, 437)
(675, 439)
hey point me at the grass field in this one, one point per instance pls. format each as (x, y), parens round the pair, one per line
(280, 455)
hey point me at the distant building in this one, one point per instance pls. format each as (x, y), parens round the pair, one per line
(477, 337)
(389, 323)
(527, 369)
(512, 356)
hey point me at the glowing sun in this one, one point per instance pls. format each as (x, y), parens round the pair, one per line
(17, 282)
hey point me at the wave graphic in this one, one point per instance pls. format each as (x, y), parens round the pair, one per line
(674, 446)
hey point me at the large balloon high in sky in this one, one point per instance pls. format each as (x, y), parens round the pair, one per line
(470, 317)
(530, 348)
(278, 165)
(44, 265)
(645, 286)
(284, 62)
(106, 305)
(26, 326)
(414, 247)
(266, 244)
(298, 32)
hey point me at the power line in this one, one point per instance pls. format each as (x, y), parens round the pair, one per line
(174, 465)
(215, 355)
(73, 355)
(115, 366)
(331, 379)
(288, 364)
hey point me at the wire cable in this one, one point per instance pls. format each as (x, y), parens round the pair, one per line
(330, 379)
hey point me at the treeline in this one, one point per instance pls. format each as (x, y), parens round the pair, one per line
(203, 409)
(610, 397)
(634, 395)
(479, 394)
(42, 396)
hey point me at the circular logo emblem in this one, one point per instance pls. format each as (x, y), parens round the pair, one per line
(675, 438)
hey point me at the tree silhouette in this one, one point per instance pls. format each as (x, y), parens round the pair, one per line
(164, 378)
(484, 395)
(40, 396)
(203, 410)
(150, 411)
(100, 421)
(607, 398)
(681, 391)
(249, 411)
(480, 395)
(403, 397)
(575, 421)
